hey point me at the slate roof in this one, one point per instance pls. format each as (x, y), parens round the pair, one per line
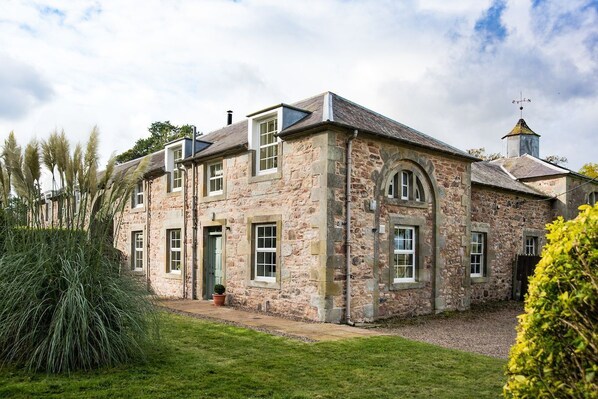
(521, 128)
(332, 108)
(155, 166)
(328, 109)
(527, 166)
(491, 174)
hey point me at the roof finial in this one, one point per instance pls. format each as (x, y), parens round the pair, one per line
(520, 102)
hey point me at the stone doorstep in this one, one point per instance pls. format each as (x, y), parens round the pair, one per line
(261, 322)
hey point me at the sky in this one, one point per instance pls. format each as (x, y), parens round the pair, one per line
(449, 69)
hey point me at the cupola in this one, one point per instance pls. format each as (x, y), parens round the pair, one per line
(522, 140)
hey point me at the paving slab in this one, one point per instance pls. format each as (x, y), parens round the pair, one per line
(307, 331)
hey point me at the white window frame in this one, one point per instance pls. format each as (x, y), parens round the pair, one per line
(482, 258)
(172, 249)
(138, 195)
(214, 178)
(531, 245)
(411, 251)
(405, 184)
(177, 174)
(273, 145)
(271, 249)
(138, 250)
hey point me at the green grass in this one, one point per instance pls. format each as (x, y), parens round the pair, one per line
(200, 359)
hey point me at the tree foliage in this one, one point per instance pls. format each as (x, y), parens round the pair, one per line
(161, 133)
(556, 354)
(590, 169)
(481, 153)
(556, 159)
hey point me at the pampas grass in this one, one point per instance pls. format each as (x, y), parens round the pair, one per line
(65, 305)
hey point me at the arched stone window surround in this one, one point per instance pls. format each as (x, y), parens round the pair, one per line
(424, 169)
(417, 176)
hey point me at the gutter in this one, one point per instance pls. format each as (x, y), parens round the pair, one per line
(348, 227)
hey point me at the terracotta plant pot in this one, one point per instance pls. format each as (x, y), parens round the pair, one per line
(218, 299)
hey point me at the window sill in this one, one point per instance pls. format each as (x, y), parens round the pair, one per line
(407, 286)
(211, 198)
(173, 276)
(138, 272)
(406, 203)
(477, 280)
(266, 176)
(138, 209)
(263, 284)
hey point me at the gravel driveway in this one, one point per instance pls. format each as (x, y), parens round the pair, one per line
(486, 329)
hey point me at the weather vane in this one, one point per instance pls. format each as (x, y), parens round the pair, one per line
(520, 102)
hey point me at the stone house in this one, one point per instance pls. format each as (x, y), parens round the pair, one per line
(283, 206)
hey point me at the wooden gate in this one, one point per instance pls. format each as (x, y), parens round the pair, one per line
(525, 265)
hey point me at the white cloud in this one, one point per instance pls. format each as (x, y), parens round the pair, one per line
(124, 65)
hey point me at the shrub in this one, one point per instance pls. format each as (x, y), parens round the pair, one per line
(64, 302)
(219, 289)
(556, 353)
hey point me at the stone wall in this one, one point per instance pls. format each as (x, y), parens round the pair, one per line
(506, 218)
(442, 223)
(294, 198)
(291, 198)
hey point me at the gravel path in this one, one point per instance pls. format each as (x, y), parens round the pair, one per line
(488, 329)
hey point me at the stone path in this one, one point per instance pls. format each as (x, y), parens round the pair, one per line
(275, 325)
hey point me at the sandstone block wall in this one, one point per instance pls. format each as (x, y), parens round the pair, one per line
(506, 218)
(442, 220)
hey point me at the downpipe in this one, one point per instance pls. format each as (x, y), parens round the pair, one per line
(348, 226)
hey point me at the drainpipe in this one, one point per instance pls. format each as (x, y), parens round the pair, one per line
(148, 186)
(348, 224)
(194, 221)
(184, 240)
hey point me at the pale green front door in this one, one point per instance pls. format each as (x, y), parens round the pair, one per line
(213, 260)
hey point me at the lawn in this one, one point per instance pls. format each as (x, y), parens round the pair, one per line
(200, 359)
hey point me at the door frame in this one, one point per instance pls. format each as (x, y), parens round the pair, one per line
(208, 233)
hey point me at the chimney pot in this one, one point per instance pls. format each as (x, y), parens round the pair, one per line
(229, 117)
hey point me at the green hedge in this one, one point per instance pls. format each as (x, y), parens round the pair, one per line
(556, 354)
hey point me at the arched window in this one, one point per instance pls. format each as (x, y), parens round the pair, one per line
(406, 185)
(593, 198)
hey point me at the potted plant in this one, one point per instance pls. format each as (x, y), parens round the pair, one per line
(219, 296)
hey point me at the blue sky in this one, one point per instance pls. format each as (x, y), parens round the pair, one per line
(447, 68)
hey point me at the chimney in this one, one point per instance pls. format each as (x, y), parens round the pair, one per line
(229, 117)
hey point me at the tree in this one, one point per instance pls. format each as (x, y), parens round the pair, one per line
(481, 153)
(556, 159)
(161, 133)
(556, 353)
(590, 169)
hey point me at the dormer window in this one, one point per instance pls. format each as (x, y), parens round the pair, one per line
(268, 146)
(177, 175)
(138, 195)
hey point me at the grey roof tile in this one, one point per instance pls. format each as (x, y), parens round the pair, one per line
(491, 174)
